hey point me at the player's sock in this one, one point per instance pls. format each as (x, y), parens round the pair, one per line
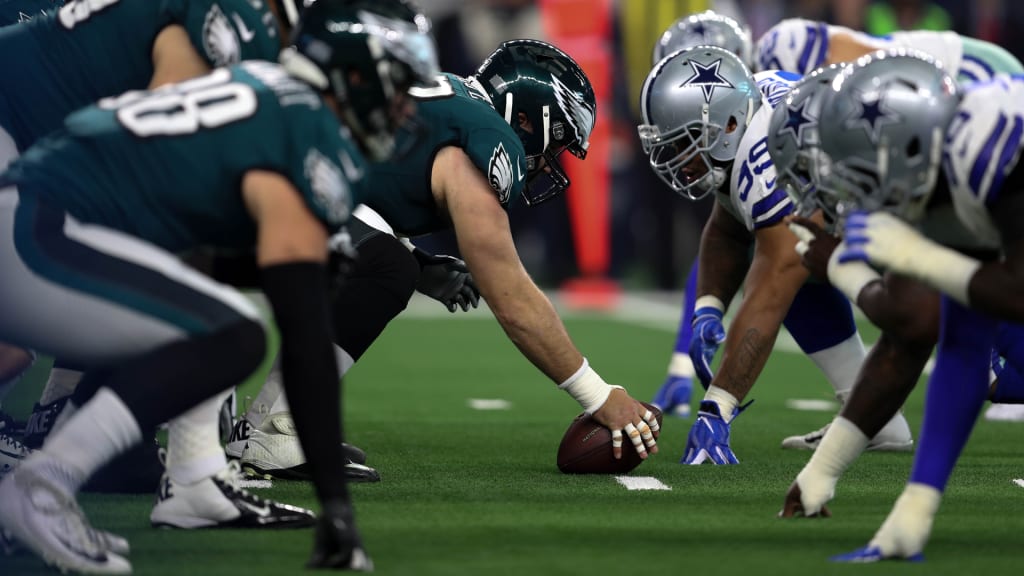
(193, 442)
(62, 382)
(821, 321)
(272, 400)
(956, 391)
(908, 526)
(685, 333)
(727, 403)
(103, 428)
(840, 446)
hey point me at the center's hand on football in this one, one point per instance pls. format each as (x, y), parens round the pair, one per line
(815, 246)
(626, 417)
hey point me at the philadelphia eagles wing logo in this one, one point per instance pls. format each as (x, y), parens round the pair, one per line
(219, 39)
(499, 173)
(330, 189)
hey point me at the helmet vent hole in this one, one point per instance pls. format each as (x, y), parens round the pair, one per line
(914, 148)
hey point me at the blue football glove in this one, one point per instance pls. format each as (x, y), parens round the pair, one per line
(674, 396)
(709, 438)
(869, 554)
(708, 334)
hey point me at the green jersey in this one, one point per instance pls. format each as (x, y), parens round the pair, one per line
(88, 49)
(455, 113)
(167, 165)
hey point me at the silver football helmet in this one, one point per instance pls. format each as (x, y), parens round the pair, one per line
(706, 29)
(696, 105)
(882, 130)
(795, 144)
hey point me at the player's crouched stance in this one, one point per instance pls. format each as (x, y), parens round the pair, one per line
(91, 218)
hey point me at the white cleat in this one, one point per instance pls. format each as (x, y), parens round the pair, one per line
(273, 450)
(906, 530)
(12, 452)
(1005, 413)
(48, 522)
(219, 501)
(894, 437)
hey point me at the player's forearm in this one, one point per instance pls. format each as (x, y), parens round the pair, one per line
(531, 323)
(723, 261)
(770, 288)
(903, 307)
(996, 289)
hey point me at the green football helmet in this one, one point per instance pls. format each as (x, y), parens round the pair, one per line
(548, 100)
(367, 54)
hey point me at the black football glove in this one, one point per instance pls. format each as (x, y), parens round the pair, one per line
(447, 280)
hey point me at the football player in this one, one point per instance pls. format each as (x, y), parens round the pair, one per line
(701, 29)
(906, 310)
(65, 61)
(92, 216)
(947, 162)
(490, 139)
(705, 130)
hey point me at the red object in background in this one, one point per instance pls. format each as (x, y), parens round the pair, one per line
(583, 29)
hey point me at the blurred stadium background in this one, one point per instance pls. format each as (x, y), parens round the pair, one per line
(619, 222)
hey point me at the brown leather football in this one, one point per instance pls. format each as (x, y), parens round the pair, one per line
(586, 448)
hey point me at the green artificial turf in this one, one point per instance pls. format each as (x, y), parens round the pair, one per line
(476, 492)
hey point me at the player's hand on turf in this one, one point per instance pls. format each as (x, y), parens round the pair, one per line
(447, 280)
(630, 422)
(815, 246)
(708, 440)
(708, 335)
(793, 506)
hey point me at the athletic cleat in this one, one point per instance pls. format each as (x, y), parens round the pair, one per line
(12, 452)
(273, 450)
(337, 543)
(1005, 413)
(674, 396)
(38, 515)
(45, 419)
(279, 423)
(219, 502)
(280, 456)
(894, 437)
(10, 546)
(869, 554)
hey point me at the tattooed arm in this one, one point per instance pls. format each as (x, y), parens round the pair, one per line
(774, 278)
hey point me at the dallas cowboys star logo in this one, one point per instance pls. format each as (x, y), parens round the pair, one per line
(796, 122)
(706, 78)
(872, 116)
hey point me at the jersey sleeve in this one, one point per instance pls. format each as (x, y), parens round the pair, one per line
(327, 169)
(499, 155)
(226, 32)
(793, 45)
(984, 140)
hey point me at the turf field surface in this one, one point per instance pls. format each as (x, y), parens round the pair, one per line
(468, 491)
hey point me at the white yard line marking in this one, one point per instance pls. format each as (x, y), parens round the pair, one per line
(253, 483)
(642, 483)
(488, 404)
(812, 405)
(1019, 482)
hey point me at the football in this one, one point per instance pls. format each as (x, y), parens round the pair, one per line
(586, 448)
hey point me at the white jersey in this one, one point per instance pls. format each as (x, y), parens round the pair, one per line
(801, 46)
(981, 148)
(753, 197)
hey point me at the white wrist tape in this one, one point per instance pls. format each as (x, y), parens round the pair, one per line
(709, 301)
(588, 388)
(947, 270)
(852, 277)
